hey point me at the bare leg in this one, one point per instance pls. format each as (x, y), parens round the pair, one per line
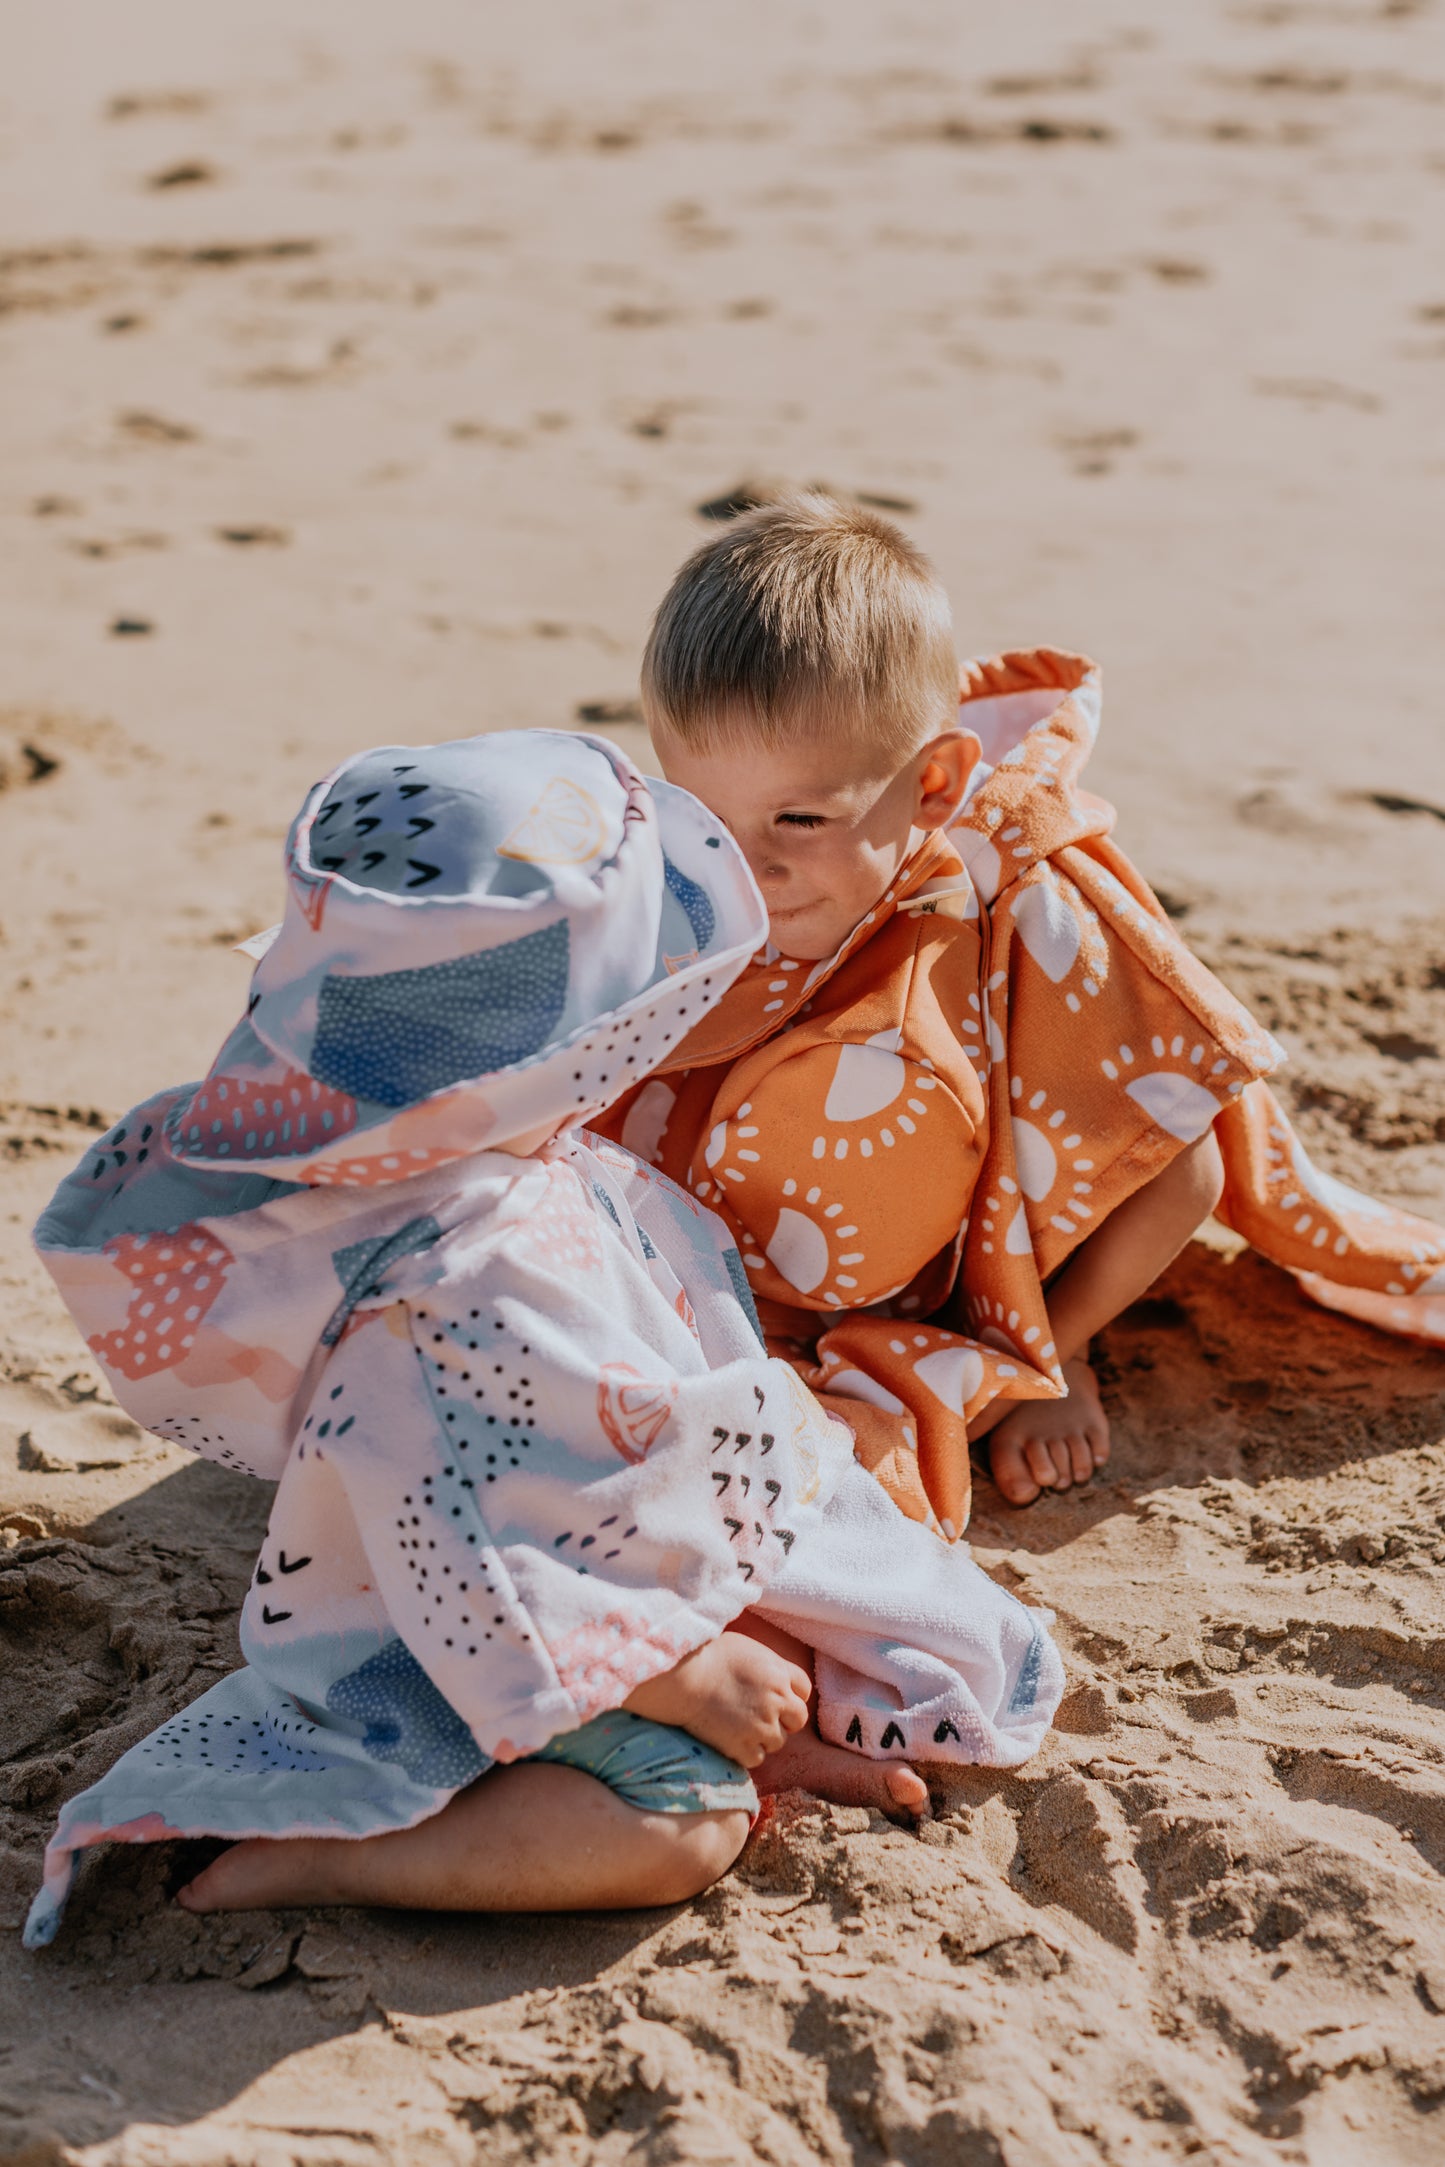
(1051, 1444)
(807, 1762)
(533, 1837)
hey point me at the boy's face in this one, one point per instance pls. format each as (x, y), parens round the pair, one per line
(823, 824)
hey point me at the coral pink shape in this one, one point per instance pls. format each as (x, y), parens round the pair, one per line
(562, 1232)
(174, 1279)
(247, 1117)
(600, 1662)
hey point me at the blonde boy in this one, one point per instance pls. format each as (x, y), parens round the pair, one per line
(975, 1085)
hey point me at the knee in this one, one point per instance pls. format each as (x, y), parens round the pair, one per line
(703, 1847)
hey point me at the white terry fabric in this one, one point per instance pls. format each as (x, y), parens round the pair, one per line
(920, 1655)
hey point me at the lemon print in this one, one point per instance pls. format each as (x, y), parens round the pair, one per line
(564, 827)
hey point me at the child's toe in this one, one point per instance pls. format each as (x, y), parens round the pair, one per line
(906, 1788)
(1006, 1463)
(1051, 1463)
(1081, 1458)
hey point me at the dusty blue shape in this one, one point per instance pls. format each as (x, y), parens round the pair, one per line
(696, 902)
(652, 1766)
(398, 1036)
(362, 1266)
(408, 1721)
(1026, 1686)
(128, 1183)
(743, 1291)
(43, 1922)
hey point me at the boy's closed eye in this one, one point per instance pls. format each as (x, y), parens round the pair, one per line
(800, 820)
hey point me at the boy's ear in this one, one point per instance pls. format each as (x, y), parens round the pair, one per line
(945, 765)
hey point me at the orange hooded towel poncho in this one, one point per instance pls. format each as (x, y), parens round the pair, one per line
(909, 1138)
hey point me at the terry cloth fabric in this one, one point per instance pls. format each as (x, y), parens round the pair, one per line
(528, 1447)
(909, 1138)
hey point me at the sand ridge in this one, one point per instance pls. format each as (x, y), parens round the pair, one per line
(363, 383)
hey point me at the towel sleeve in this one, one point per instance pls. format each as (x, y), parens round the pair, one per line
(557, 1497)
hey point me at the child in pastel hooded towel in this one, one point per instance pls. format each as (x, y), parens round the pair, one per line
(531, 1456)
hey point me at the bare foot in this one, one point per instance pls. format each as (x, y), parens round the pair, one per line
(1051, 1444)
(809, 1763)
(254, 1875)
(735, 1694)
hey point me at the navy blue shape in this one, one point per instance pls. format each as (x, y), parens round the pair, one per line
(398, 1036)
(362, 1265)
(408, 1720)
(743, 1291)
(695, 901)
(607, 1204)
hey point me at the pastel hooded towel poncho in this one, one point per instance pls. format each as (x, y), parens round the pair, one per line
(529, 1448)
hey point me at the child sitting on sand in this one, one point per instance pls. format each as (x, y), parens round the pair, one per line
(531, 1458)
(976, 1093)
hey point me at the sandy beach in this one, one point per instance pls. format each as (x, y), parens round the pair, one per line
(363, 374)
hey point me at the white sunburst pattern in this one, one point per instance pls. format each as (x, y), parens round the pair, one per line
(1062, 935)
(1184, 1098)
(982, 1040)
(813, 1245)
(873, 1100)
(1329, 1214)
(1001, 1324)
(1052, 1169)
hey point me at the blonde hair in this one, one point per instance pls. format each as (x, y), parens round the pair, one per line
(807, 616)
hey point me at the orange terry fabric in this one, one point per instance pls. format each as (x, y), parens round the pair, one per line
(909, 1139)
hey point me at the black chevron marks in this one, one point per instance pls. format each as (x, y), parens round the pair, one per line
(419, 826)
(945, 1730)
(853, 1736)
(295, 1564)
(425, 874)
(273, 1617)
(891, 1737)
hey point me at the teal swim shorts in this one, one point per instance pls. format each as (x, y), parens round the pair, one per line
(653, 1766)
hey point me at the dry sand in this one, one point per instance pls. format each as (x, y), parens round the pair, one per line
(374, 361)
